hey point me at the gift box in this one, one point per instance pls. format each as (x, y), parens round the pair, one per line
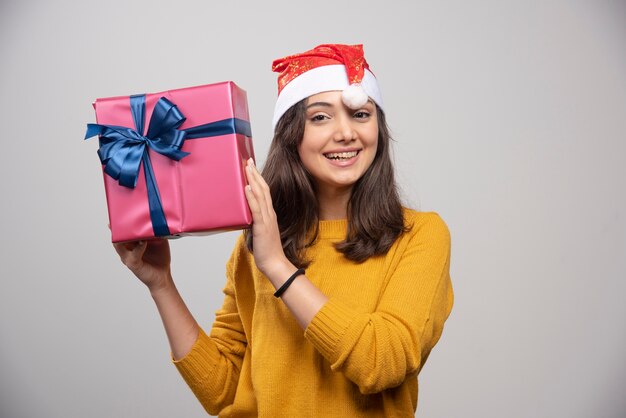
(174, 161)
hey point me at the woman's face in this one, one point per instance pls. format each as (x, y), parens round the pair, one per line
(339, 143)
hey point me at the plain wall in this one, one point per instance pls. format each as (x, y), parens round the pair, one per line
(509, 119)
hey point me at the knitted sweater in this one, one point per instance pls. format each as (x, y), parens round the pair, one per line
(361, 353)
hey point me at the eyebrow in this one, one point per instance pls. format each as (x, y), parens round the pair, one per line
(325, 104)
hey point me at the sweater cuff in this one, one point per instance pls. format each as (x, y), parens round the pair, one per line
(197, 364)
(327, 328)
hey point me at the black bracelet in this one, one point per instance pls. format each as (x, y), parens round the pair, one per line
(285, 285)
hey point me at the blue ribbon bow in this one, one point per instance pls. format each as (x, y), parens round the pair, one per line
(123, 149)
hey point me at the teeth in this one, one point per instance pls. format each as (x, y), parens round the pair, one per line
(341, 155)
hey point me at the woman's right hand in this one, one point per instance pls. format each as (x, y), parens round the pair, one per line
(148, 260)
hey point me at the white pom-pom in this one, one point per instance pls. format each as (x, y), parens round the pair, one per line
(354, 96)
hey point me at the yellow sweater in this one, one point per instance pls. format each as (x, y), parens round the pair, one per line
(359, 356)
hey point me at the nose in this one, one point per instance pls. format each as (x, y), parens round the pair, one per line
(344, 131)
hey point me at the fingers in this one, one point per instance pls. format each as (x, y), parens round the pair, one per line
(139, 248)
(253, 203)
(125, 247)
(255, 192)
(259, 190)
(131, 252)
(250, 189)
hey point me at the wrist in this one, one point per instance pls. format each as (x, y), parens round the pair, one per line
(280, 272)
(163, 287)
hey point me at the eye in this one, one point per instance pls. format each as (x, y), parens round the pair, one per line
(362, 114)
(318, 117)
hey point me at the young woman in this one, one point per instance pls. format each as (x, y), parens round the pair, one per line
(336, 296)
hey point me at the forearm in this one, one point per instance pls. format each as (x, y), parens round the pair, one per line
(302, 297)
(180, 326)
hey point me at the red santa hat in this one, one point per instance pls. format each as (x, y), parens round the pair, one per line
(326, 67)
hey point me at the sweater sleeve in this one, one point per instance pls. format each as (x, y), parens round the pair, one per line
(212, 367)
(378, 350)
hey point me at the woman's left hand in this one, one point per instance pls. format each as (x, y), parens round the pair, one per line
(268, 250)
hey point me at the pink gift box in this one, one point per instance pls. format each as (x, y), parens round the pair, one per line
(201, 193)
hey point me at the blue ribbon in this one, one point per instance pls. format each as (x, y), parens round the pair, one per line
(123, 149)
(221, 127)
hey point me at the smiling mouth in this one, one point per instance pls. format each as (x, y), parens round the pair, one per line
(340, 156)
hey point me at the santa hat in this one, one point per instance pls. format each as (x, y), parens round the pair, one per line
(325, 68)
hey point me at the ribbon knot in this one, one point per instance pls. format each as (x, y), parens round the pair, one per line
(123, 149)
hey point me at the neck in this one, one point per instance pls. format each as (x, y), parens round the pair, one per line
(333, 203)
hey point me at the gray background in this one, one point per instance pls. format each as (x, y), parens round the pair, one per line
(510, 121)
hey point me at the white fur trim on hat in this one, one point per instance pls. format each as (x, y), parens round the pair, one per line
(318, 80)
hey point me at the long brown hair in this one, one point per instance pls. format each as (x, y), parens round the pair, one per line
(375, 218)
